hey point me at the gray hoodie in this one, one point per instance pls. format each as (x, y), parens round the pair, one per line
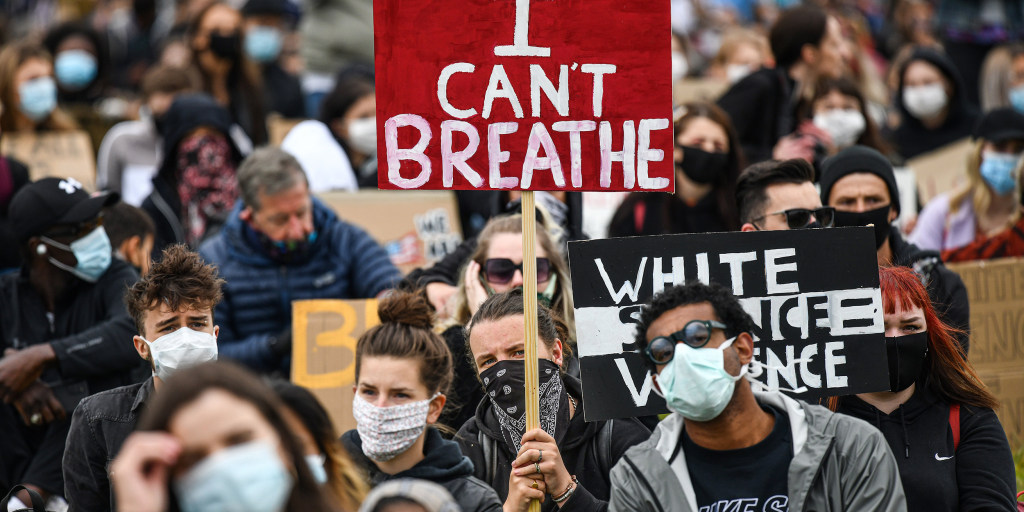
(839, 463)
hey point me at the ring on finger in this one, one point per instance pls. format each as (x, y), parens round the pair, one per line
(535, 485)
(540, 455)
(536, 466)
(36, 418)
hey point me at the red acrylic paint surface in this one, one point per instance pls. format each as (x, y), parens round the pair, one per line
(419, 125)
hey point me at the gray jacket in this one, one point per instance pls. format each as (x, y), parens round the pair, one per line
(839, 463)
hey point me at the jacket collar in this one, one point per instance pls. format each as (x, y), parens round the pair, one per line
(142, 394)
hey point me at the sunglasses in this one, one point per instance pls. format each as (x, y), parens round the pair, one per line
(502, 270)
(696, 334)
(798, 218)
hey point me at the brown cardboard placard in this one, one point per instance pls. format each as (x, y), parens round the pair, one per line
(416, 227)
(697, 89)
(278, 128)
(996, 292)
(324, 335)
(941, 170)
(60, 154)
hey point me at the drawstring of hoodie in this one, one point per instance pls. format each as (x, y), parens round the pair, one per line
(906, 438)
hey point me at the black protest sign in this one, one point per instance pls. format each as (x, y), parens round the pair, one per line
(813, 294)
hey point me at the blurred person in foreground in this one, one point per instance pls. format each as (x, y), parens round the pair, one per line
(173, 311)
(215, 439)
(281, 244)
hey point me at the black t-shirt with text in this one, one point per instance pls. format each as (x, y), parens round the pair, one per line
(752, 479)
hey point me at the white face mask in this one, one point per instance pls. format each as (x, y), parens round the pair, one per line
(181, 349)
(362, 135)
(387, 432)
(680, 66)
(844, 125)
(925, 101)
(737, 72)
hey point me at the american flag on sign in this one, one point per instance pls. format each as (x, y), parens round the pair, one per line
(405, 250)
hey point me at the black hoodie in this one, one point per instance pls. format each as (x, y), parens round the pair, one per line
(442, 464)
(977, 475)
(578, 449)
(945, 288)
(911, 137)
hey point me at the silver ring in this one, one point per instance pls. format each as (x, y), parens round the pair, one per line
(540, 455)
(36, 418)
(537, 466)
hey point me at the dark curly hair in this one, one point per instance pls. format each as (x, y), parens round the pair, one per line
(727, 309)
(180, 279)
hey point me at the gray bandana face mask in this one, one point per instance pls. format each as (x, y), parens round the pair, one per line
(505, 386)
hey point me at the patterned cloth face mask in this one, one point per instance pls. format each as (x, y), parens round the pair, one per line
(506, 389)
(386, 432)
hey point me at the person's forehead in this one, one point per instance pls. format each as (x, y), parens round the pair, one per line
(386, 372)
(899, 312)
(510, 245)
(859, 184)
(163, 311)
(496, 334)
(214, 415)
(786, 196)
(676, 318)
(287, 200)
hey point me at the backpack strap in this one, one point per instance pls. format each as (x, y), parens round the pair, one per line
(954, 424)
(490, 448)
(601, 448)
(35, 498)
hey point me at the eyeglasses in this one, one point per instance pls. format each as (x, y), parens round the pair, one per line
(696, 334)
(798, 218)
(502, 270)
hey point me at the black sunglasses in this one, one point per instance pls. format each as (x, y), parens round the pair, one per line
(798, 218)
(502, 270)
(696, 333)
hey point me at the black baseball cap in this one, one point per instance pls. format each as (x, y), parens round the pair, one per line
(999, 125)
(49, 202)
(271, 7)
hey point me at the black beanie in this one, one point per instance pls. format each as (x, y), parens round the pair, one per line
(856, 159)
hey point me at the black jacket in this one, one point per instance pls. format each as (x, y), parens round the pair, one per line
(589, 450)
(945, 288)
(443, 464)
(977, 475)
(99, 427)
(762, 108)
(282, 92)
(911, 137)
(662, 214)
(13, 176)
(91, 332)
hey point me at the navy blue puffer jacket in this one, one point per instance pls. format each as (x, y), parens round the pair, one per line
(344, 263)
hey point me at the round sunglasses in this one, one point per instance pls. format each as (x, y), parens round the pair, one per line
(502, 270)
(696, 334)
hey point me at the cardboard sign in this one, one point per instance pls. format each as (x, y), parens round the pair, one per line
(60, 154)
(996, 291)
(324, 335)
(941, 170)
(813, 295)
(523, 94)
(416, 228)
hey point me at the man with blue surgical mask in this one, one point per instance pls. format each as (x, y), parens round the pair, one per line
(267, 26)
(172, 307)
(62, 329)
(728, 447)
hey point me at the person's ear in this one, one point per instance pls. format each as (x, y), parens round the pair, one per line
(216, 331)
(744, 346)
(892, 214)
(747, 226)
(809, 54)
(340, 128)
(557, 355)
(246, 214)
(436, 406)
(141, 347)
(130, 246)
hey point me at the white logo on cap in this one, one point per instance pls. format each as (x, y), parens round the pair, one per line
(70, 185)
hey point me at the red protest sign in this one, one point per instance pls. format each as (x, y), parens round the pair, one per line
(524, 94)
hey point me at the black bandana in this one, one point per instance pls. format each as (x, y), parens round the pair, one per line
(506, 388)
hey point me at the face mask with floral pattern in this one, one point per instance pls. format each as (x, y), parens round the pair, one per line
(387, 432)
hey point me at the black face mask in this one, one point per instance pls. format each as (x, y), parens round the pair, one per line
(226, 47)
(506, 389)
(906, 359)
(702, 167)
(879, 217)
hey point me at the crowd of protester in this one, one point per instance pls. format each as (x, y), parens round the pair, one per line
(146, 321)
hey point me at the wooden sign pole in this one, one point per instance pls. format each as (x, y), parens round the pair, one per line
(530, 316)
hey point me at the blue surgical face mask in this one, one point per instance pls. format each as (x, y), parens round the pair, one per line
(93, 252)
(263, 44)
(38, 97)
(248, 477)
(316, 466)
(1017, 98)
(695, 383)
(999, 170)
(75, 69)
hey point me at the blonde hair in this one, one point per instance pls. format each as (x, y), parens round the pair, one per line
(11, 58)
(561, 301)
(736, 37)
(975, 188)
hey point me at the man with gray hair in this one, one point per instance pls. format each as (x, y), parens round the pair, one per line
(282, 244)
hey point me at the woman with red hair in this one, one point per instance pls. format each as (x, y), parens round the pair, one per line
(949, 445)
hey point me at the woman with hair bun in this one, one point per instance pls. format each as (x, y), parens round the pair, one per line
(403, 370)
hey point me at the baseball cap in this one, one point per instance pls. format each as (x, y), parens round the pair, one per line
(999, 125)
(48, 202)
